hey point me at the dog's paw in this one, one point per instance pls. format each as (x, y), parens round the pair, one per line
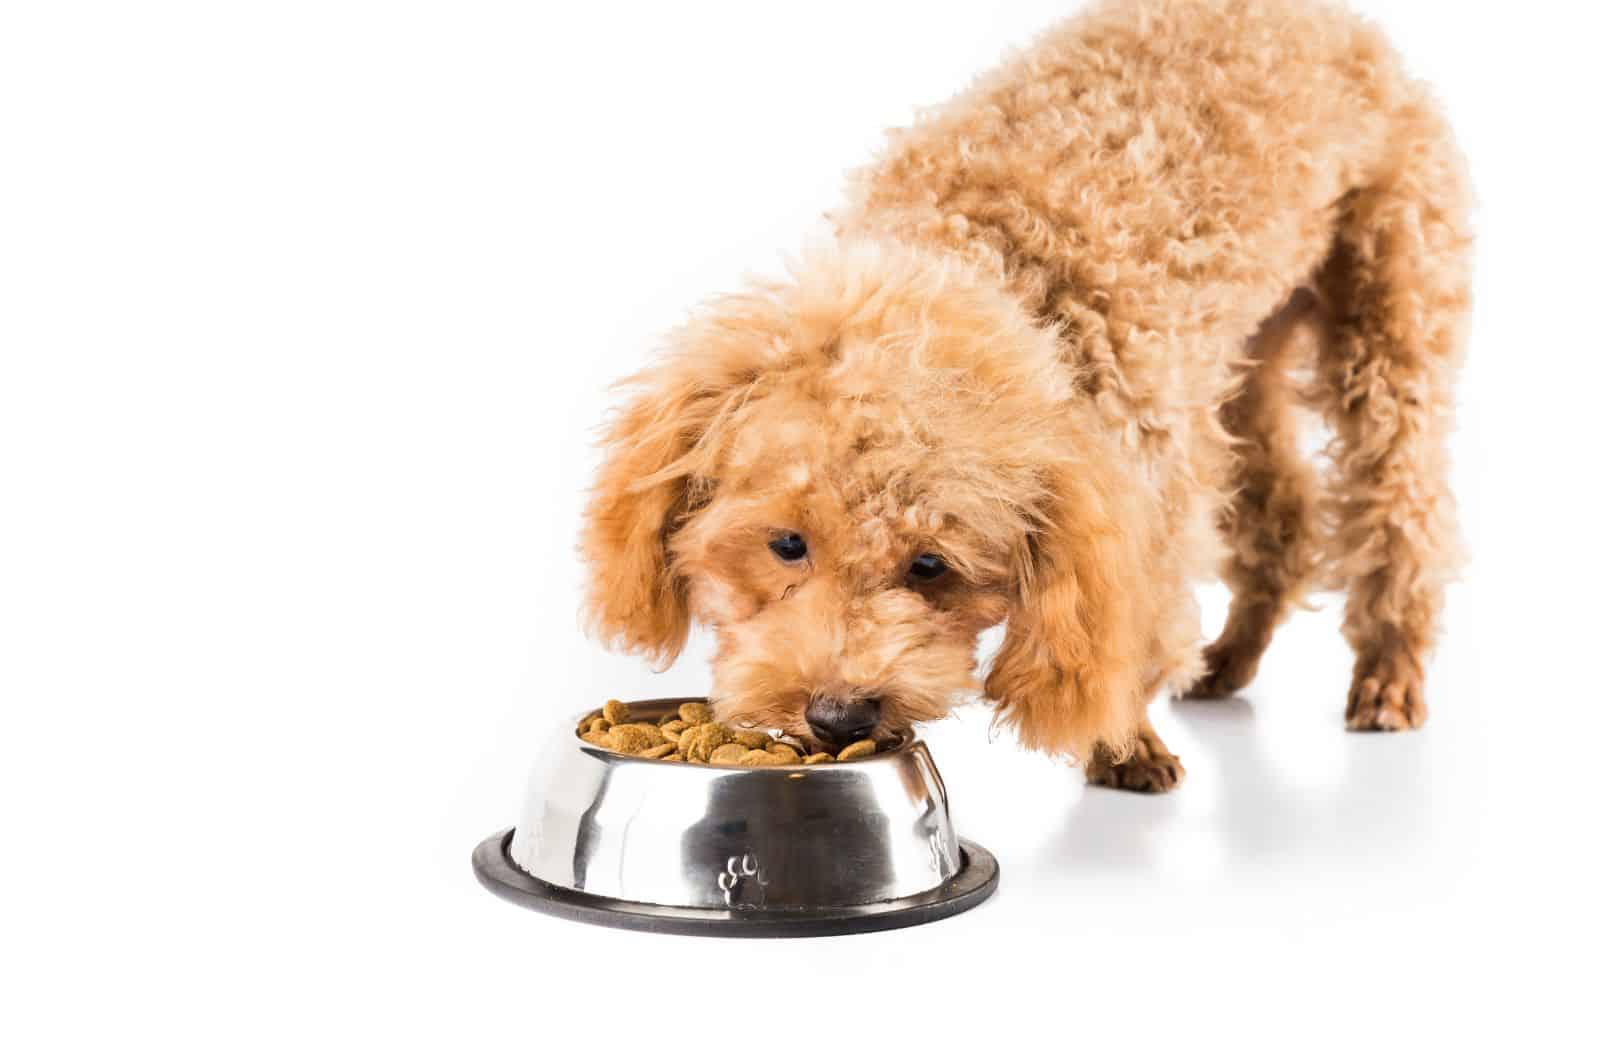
(1386, 696)
(1230, 666)
(1151, 769)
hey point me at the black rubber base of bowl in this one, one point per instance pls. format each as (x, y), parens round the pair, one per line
(979, 876)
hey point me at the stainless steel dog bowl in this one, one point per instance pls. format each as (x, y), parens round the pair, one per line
(723, 850)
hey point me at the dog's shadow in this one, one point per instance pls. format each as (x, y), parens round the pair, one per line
(1250, 808)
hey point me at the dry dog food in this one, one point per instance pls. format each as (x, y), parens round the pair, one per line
(691, 736)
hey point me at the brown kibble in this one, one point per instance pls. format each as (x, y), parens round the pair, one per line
(859, 749)
(686, 740)
(695, 730)
(693, 736)
(702, 740)
(728, 754)
(651, 734)
(784, 754)
(685, 735)
(629, 739)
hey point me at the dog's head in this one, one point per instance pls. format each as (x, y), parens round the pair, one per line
(849, 476)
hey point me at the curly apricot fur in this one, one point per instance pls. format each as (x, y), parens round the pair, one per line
(1053, 343)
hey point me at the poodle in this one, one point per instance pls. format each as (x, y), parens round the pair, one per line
(1049, 372)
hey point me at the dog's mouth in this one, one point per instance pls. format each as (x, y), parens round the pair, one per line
(808, 742)
(887, 739)
(793, 729)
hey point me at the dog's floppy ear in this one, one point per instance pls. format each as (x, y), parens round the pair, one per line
(636, 601)
(655, 471)
(1069, 674)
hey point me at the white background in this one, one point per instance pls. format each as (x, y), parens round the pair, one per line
(306, 316)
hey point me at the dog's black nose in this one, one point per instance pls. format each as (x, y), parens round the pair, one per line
(843, 721)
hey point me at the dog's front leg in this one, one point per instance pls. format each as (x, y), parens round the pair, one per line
(1151, 768)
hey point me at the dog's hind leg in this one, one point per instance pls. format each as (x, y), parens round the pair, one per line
(1269, 526)
(1397, 285)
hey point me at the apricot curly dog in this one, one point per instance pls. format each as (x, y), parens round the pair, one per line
(1049, 373)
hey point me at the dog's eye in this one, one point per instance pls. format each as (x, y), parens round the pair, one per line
(927, 567)
(789, 547)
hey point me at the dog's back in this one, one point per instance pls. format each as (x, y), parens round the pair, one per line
(1153, 168)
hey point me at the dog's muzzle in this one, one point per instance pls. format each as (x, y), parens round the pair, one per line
(843, 721)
